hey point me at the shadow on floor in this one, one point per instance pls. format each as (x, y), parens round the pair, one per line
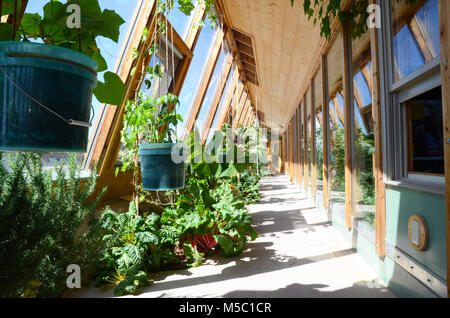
(258, 259)
(365, 289)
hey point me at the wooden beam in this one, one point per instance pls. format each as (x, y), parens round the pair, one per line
(206, 79)
(380, 188)
(219, 91)
(325, 128)
(102, 131)
(112, 142)
(290, 153)
(348, 108)
(313, 141)
(444, 14)
(295, 128)
(305, 142)
(231, 40)
(300, 147)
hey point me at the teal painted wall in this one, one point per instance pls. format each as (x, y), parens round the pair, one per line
(399, 281)
(401, 204)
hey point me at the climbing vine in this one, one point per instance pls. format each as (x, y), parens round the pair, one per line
(325, 11)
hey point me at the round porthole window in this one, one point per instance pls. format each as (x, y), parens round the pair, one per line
(418, 233)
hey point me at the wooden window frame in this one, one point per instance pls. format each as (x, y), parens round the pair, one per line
(395, 152)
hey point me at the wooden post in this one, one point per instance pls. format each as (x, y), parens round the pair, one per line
(348, 107)
(380, 189)
(291, 153)
(444, 16)
(297, 166)
(305, 142)
(326, 128)
(313, 141)
(300, 145)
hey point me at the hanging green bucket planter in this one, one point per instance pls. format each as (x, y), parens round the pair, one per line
(45, 97)
(159, 171)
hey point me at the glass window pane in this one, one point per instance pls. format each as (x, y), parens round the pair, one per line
(336, 132)
(362, 91)
(196, 70)
(416, 36)
(221, 106)
(211, 92)
(319, 151)
(425, 133)
(180, 21)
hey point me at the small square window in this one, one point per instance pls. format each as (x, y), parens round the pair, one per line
(425, 133)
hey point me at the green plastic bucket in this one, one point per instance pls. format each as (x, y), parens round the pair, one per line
(45, 97)
(159, 171)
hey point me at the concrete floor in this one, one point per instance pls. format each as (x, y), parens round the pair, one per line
(298, 254)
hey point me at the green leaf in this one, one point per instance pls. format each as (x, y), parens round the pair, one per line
(112, 91)
(30, 23)
(147, 238)
(5, 32)
(102, 66)
(193, 256)
(111, 25)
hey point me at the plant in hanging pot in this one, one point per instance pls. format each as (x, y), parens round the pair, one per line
(149, 132)
(46, 86)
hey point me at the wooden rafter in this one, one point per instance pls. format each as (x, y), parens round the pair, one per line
(231, 40)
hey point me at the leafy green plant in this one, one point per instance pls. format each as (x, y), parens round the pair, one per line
(364, 150)
(46, 224)
(338, 158)
(51, 28)
(248, 187)
(134, 246)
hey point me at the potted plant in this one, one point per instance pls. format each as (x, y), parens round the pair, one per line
(46, 86)
(149, 132)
